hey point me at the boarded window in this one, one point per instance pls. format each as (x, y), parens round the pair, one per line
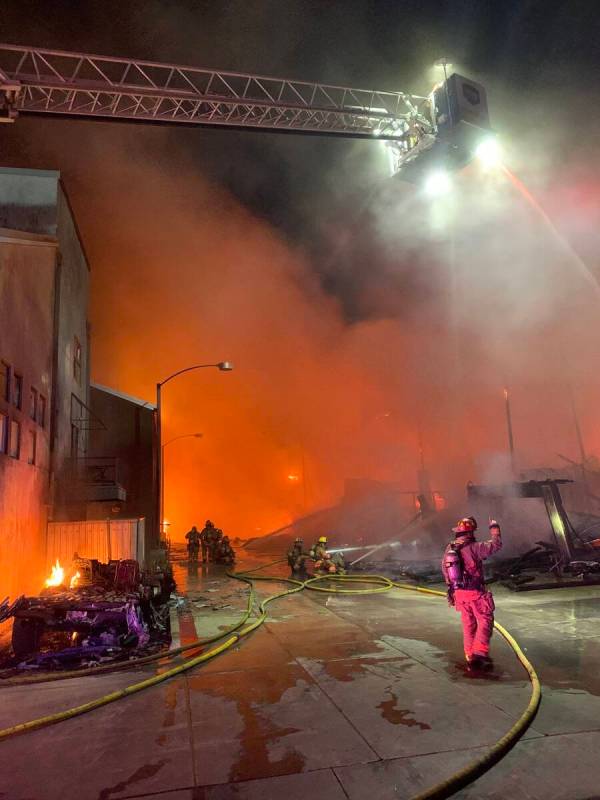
(41, 411)
(4, 381)
(33, 403)
(18, 391)
(3, 433)
(32, 455)
(14, 444)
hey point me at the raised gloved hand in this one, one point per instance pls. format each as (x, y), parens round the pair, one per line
(494, 524)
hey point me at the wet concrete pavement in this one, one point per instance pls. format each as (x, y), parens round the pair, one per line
(334, 697)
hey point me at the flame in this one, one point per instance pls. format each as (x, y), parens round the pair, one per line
(57, 575)
(74, 580)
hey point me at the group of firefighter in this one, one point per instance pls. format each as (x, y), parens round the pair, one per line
(462, 569)
(213, 543)
(463, 572)
(323, 561)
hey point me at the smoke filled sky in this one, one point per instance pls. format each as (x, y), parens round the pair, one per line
(356, 312)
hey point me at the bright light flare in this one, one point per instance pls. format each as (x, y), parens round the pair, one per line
(293, 478)
(489, 153)
(57, 576)
(438, 183)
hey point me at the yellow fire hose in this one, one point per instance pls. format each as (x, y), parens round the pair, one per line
(476, 768)
(375, 584)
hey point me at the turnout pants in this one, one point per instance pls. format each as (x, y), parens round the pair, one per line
(477, 615)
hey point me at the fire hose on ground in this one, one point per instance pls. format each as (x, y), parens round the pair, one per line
(372, 584)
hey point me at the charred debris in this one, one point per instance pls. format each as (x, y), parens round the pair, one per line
(569, 558)
(105, 612)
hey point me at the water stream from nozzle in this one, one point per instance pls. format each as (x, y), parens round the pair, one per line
(564, 244)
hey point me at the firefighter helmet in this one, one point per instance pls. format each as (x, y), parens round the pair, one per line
(465, 525)
(322, 540)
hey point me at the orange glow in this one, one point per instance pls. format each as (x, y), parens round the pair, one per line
(439, 501)
(74, 580)
(57, 575)
(293, 478)
(309, 384)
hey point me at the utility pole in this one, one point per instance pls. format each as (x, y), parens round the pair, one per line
(509, 430)
(423, 479)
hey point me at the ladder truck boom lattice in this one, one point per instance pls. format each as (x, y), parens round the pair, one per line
(440, 131)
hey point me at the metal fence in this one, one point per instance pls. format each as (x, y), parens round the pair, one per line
(102, 539)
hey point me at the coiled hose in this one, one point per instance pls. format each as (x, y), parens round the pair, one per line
(374, 584)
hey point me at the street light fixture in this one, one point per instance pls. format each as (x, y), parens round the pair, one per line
(182, 436)
(222, 366)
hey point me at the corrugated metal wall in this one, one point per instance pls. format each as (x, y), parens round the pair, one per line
(101, 539)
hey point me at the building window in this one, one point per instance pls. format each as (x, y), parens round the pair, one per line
(77, 360)
(74, 441)
(18, 391)
(33, 403)
(31, 458)
(41, 411)
(4, 381)
(14, 445)
(3, 433)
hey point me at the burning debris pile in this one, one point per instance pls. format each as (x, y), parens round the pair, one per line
(94, 613)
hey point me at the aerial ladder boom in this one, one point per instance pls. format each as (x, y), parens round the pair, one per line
(59, 83)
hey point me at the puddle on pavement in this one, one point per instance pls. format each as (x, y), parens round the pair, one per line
(141, 774)
(460, 669)
(170, 699)
(399, 716)
(254, 696)
(566, 663)
(347, 670)
(255, 759)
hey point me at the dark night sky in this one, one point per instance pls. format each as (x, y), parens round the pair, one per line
(537, 58)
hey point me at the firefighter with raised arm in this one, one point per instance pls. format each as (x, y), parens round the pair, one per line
(462, 567)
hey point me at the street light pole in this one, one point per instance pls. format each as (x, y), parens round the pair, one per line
(223, 366)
